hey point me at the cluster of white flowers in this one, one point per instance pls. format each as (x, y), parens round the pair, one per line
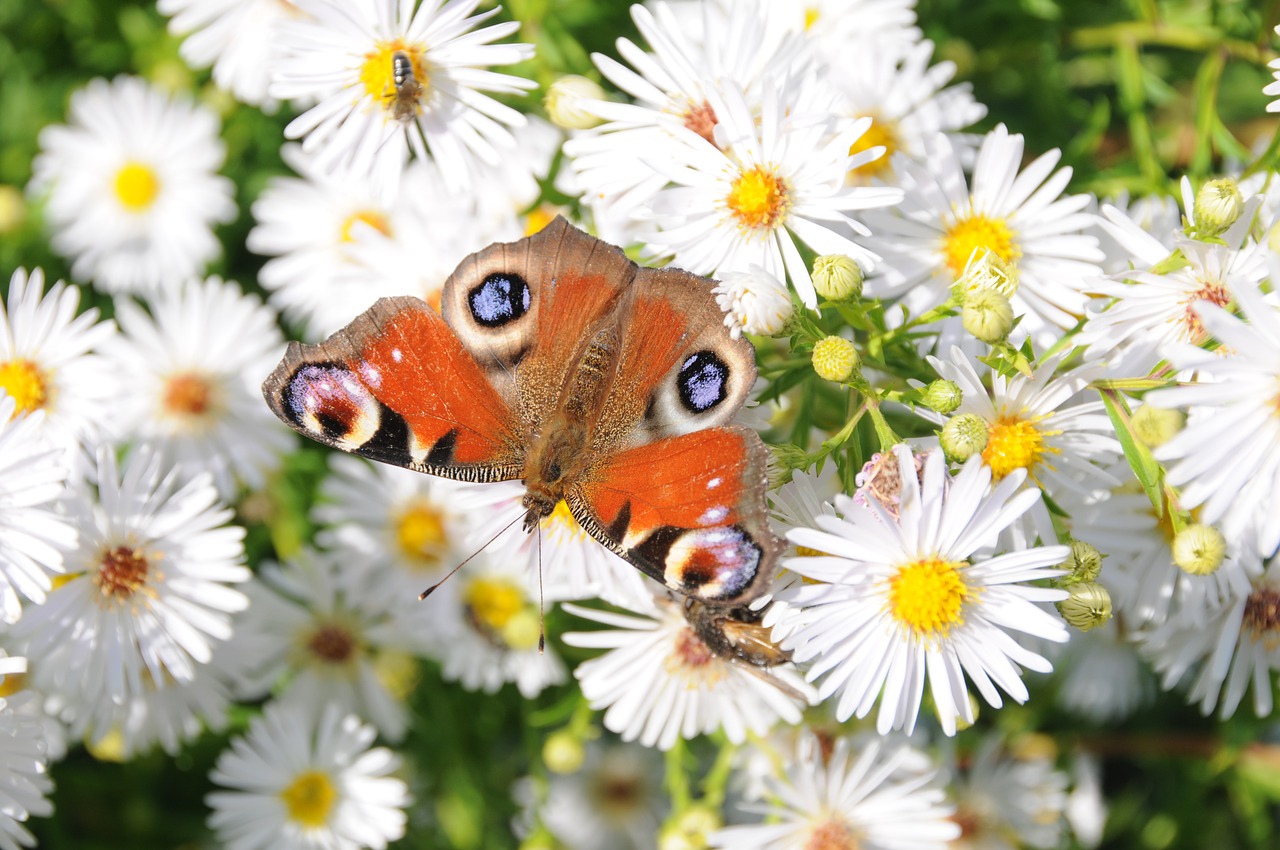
(1106, 385)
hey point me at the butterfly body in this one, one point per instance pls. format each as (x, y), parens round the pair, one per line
(559, 362)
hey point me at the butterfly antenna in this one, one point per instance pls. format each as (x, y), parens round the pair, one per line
(424, 594)
(542, 605)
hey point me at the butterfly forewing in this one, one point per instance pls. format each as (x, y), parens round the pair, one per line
(397, 386)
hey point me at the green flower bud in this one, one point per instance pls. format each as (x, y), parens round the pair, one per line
(564, 102)
(1218, 205)
(1088, 606)
(964, 436)
(837, 277)
(689, 830)
(1084, 564)
(563, 752)
(1155, 426)
(943, 396)
(835, 358)
(1199, 549)
(987, 315)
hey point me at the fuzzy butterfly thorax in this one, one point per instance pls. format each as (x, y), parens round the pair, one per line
(557, 361)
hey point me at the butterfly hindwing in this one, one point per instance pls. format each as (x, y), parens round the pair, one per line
(688, 511)
(397, 386)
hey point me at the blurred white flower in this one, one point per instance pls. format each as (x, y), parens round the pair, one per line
(237, 38)
(914, 596)
(395, 77)
(24, 765)
(866, 793)
(132, 189)
(326, 644)
(34, 535)
(194, 368)
(304, 777)
(1101, 676)
(48, 362)
(1009, 800)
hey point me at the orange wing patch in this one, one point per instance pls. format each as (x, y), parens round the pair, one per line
(688, 511)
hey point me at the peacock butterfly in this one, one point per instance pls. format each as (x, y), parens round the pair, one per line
(561, 363)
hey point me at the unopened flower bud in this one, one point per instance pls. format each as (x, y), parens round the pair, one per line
(13, 209)
(835, 358)
(964, 436)
(1088, 606)
(943, 396)
(838, 277)
(987, 315)
(1199, 549)
(1155, 426)
(753, 301)
(563, 752)
(1084, 564)
(690, 829)
(564, 102)
(1218, 205)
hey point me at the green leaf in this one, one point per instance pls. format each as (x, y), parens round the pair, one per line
(1144, 465)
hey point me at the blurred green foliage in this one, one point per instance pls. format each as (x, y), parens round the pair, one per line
(1134, 93)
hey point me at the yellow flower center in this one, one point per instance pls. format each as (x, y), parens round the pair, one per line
(538, 218)
(928, 596)
(25, 383)
(811, 15)
(12, 684)
(831, 834)
(561, 526)
(970, 235)
(137, 186)
(378, 221)
(879, 133)
(310, 798)
(492, 602)
(1215, 292)
(759, 198)
(187, 394)
(377, 74)
(1014, 443)
(122, 572)
(420, 533)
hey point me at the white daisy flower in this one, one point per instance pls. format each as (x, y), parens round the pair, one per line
(398, 531)
(1226, 462)
(1008, 801)
(1019, 215)
(24, 766)
(490, 628)
(767, 185)
(34, 535)
(615, 800)
(908, 101)
(132, 191)
(304, 777)
(48, 363)
(237, 38)
(668, 85)
(337, 244)
(1238, 647)
(838, 28)
(1032, 425)
(1129, 232)
(195, 368)
(1147, 311)
(151, 588)
(394, 77)
(914, 596)
(866, 794)
(327, 645)
(661, 681)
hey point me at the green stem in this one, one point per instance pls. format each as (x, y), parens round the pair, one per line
(676, 780)
(713, 787)
(1208, 76)
(1133, 104)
